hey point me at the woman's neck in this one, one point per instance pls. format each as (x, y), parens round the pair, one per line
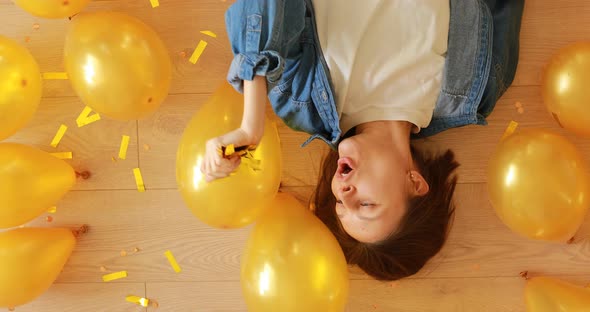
(391, 135)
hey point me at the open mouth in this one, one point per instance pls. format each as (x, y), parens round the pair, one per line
(345, 167)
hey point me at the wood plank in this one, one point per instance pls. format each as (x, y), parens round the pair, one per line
(177, 22)
(93, 145)
(547, 27)
(479, 244)
(496, 294)
(76, 297)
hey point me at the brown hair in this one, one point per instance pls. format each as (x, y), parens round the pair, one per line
(422, 231)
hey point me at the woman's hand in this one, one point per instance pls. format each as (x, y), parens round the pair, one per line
(217, 166)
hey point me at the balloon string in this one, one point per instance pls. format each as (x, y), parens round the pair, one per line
(81, 230)
(84, 175)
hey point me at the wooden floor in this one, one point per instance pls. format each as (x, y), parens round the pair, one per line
(478, 270)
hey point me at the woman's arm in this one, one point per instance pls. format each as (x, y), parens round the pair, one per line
(254, 108)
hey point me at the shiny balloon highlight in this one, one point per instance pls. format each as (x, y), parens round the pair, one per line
(20, 87)
(239, 199)
(52, 8)
(544, 294)
(117, 64)
(538, 185)
(30, 261)
(565, 88)
(32, 181)
(293, 263)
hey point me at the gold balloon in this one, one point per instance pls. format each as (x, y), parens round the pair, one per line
(30, 261)
(565, 88)
(52, 8)
(538, 185)
(544, 294)
(293, 263)
(32, 181)
(117, 64)
(20, 87)
(235, 201)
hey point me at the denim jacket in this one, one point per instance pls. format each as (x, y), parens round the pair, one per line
(278, 39)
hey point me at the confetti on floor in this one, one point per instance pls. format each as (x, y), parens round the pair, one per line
(155, 3)
(172, 261)
(124, 146)
(49, 219)
(144, 302)
(114, 276)
(209, 33)
(85, 118)
(52, 210)
(27, 39)
(62, 155)
(510, 129)
(146, 147)
(139, 180)
(59, 135)
(103, 269)
(136, 250)
(36, 26)
(55, 76)
(198, 52)
(123, 253)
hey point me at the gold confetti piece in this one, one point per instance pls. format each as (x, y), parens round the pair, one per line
(113, 159)
(209, 33)
(123, 148)
(36, 26)
(103, 269)
(49, 218)
(123, 253)
(136, 249)
(230, 150)
(84, 118)
(27, 39)
(182, 54)
(52, 209)
(146, 147)
(198, 51)
(510, 129)
(172, 261)
(59, 135)
(55, 76)
(144, 302)
(114, 276)
(139, 180)
(62, 155)
(155, 3)
(518, 104)
(520, 110)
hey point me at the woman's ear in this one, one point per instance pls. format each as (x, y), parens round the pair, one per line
(418, 185)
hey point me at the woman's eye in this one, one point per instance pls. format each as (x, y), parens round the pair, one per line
(366, 204)
(338, 201)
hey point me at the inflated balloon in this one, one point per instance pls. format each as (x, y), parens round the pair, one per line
(565, 88)
(32, 181)
(538, 185)
(292, 262)
(30, 261)
(20, 87)
(52, 8)
(544, 294)
(237, 200)
(117, 64)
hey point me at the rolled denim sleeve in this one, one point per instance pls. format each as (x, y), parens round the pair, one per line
(263, 33)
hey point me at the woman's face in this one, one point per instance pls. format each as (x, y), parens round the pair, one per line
(371, 186)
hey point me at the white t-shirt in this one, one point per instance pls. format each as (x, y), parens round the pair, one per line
(386, 57)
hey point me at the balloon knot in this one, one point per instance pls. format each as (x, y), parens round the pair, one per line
(82, 230)
(525, 275)
(84, 175)
(571, 240)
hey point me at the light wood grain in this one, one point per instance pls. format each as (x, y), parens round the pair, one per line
(78, 297)
(93, 145)
(479, 244)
